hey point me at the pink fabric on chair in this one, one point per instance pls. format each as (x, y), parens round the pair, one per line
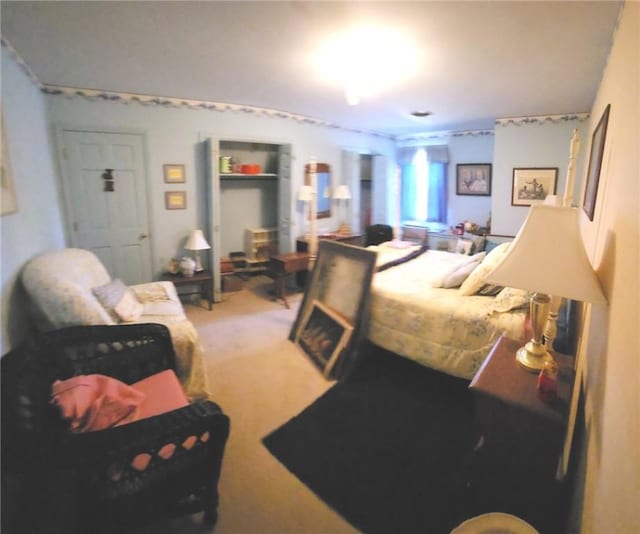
(162, 393)
(95, 402)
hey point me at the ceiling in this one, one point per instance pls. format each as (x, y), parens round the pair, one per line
(482, 60)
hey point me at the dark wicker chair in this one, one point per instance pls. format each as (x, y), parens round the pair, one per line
(35, 439)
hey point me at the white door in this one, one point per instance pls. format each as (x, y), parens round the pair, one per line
(105, 189)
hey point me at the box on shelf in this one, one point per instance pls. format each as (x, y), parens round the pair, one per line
(226, 265)
(231, 282)
(239, 259)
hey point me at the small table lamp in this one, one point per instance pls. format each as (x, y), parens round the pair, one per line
(197, 242)
(547, 257)
(306, 195)
(342, 193)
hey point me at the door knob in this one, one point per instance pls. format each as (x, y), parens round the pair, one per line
(143, 236)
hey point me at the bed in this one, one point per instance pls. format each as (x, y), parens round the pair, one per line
(434, 307)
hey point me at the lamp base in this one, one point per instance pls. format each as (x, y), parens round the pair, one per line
(533, 356)
(344, 229)
(198, 266)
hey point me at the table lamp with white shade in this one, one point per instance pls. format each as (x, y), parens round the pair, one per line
(547, 257)
(306, 196)
(197, 242)
(342, 193)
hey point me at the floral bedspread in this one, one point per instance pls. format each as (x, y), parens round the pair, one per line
(436, 327)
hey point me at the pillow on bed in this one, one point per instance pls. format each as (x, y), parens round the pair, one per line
(461, 273)
(511, 298)
(476, 280)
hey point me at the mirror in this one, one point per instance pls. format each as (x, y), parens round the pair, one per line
(323, 183)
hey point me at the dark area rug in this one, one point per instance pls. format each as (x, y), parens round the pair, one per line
(388, 449)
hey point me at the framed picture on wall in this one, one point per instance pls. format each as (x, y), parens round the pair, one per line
(595, 164)
(532, 185)
(175, 200)
(473, 179)
(173, 173)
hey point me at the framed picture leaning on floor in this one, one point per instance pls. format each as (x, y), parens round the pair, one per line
(340, 282)
(324, 335)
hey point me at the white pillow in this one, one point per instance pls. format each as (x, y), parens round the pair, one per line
(476, 280)
(129, 308)
(464, 246)
(109, 295)
(460, 275)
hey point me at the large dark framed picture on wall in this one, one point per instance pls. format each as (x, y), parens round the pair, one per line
(473, 179)
(595, 164)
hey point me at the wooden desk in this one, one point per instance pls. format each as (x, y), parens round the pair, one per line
(302, 245)
(284, 264)
(203, 280)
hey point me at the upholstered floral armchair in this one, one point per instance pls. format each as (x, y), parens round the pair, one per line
(71, 287)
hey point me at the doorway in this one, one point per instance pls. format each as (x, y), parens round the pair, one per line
(104, 184)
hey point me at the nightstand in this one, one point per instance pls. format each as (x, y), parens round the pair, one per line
(521, 438)
(203, 280)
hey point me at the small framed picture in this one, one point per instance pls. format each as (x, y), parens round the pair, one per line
(532, 185)
(473, 179)
(324, 335)
(595, 163)
(175, 200)
(174, 173)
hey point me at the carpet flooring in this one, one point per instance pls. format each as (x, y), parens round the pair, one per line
(388, 449)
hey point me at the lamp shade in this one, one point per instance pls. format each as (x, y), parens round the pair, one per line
(342, 192)
(306, 193)
(196, 241)
(547, 256)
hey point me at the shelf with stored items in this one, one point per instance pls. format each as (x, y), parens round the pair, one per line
(252, 190)
(242, 176)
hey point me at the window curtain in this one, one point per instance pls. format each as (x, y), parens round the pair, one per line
(437, 199)
(423, 172)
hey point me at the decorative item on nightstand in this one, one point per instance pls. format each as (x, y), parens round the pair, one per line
(197, 242)
(187, 266)
(547, 257)
(342, 193)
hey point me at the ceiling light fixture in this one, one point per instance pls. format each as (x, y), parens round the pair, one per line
(421, 114)
(366, 60)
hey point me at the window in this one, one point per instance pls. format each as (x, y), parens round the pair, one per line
(423, 185)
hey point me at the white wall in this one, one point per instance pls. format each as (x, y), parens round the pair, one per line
(611, 487)
(468, 149)
(173, 136)
(36, 226)
(544, 144)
